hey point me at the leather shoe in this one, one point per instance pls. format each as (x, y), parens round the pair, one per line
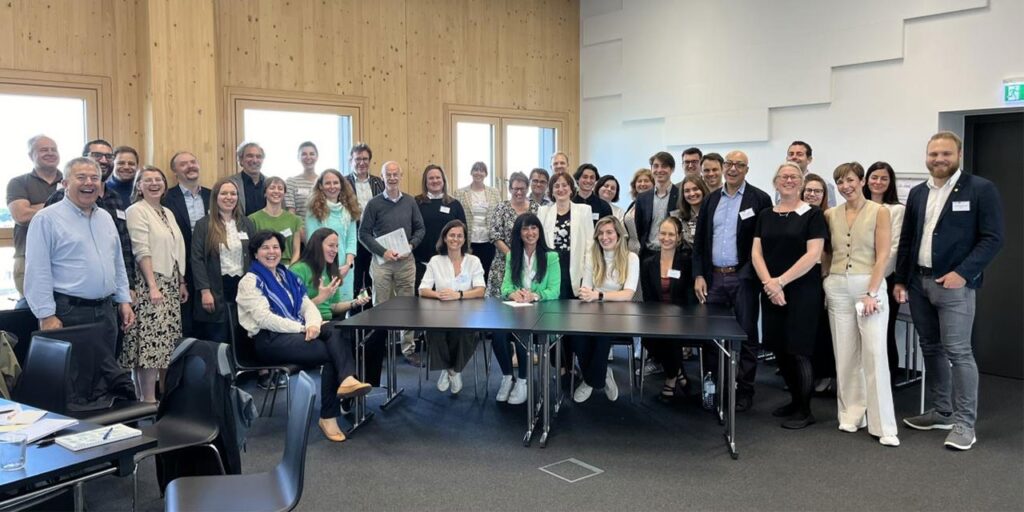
(414, 359)
(329, 426)
(351, 388)
(799, 422)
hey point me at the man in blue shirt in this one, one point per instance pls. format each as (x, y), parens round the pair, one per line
(74, 267)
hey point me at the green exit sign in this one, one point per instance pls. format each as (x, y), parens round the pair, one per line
(1013, 91)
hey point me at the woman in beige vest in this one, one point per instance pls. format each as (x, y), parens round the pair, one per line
(855, 291)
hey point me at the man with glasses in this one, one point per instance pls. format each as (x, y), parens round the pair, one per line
(74, 272)
(101, 151)
(799, 153)
(539, 187)
(366, 187)
(250, 180)
(691, 161)
(27, 195)
(722, 270)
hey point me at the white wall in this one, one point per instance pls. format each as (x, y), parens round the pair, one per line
(862, 80)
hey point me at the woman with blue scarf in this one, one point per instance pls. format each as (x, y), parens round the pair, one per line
(285, 327)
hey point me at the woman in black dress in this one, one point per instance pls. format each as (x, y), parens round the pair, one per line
(787, 248)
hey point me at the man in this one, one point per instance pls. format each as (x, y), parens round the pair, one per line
(691, 161)
(101, 151)
(189, 202)
(711, 170)
(653, 206)
(539, 186)
(952, 229)
(394, 274)
(121, 181)
(800, 152)
(722, 270)
(250, 181)
(74, 268)
(559, 163)
(366, 187)
(26, 196)
(585, 193)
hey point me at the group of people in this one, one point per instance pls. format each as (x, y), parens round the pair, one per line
(295, 254)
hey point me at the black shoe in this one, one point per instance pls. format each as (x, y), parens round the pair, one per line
(786, 410)
(414, 360)
(799, 422)
(744, 403)
(346, 405)
(264, 382)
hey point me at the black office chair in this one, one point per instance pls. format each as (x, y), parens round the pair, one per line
(243, 350)
(276, 490)
(21, 323)
(186, 418)
(44, 374)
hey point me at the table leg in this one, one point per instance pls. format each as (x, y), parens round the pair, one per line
(392, 359)
(545, 361)
(724, 353)
(734, 354)
(79, 491)
(531, 414)
(361, 415)
(558, 374)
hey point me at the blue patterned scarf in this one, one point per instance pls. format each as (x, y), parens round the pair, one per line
(285, 301)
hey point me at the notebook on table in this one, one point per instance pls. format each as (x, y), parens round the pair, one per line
(98, 437)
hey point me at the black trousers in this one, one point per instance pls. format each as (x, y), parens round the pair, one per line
(890, 338)
(71, 312)
(742, 295)
(667, 353)
(362, 271)
(333, 349)
(485, 252)
(592, 354)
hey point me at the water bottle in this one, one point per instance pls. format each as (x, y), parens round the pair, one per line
(708, 392)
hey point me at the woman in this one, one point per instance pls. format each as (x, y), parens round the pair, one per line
(694, 192)
(788, 240)
(586, 177)
(219, 259)
(823, 364)
(855, 289)
(504, 218)
(610, 274)
(665, 277)
(274, 217)
(570, 230)
(333, 204)
(642, 182)
(160, 255)
(479, 201)
(881, 188)
(285, 327)
(453, 274)
(608, 190)
(438, 209)
(299, 187)
(320, 273)
(531, 274)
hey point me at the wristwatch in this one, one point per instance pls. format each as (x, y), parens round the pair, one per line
(460, 294)
(873, 295)
(600, 296)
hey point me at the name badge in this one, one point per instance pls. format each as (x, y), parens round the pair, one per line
(445, 209)
(674, 274)
(595, 216)
(242, 235)
(121, 215)
(287, 232)
(803, 209)
(302, 192)
(958, 206)
(746, 214)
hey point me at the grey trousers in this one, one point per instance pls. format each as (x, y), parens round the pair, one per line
(943, 319)
(450, 350)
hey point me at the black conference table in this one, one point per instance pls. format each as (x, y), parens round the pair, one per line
(543, 322)
(58, 468)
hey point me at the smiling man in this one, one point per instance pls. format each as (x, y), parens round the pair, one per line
(75, 271)
(250, 181)
(27, 195)
(653, 206)
(711, 170)
(801, 154)
(366, 187)
(188, 202)
(121, 181)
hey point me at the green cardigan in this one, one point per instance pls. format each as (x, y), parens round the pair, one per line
(548, 288)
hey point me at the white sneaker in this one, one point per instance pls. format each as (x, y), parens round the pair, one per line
(889, 441)
(519, 393)
(456, 379)
(850, 427)
(610, 388)
(504, 389)
(443, 381)
(582, 393)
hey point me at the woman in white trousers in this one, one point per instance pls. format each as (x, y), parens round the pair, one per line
(856, 296)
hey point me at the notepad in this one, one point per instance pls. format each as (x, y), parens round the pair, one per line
(517, 304)
(93, 438)
(45, 427)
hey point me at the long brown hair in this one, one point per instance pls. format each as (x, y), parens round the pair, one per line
(347, 198)
(445, 198)
(217, 233)
(685, 212)
(621, 259)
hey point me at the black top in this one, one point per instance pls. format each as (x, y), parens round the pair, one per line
(597, 205)
(433, 222)
(680, 289)
(784, 237)
(255, 200)
(561, 243)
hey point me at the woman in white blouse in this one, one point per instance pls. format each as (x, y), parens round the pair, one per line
(610, 274)
(479, 201)
(881, 188)
(453, 274)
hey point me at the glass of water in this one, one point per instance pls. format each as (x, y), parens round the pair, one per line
(12, 451)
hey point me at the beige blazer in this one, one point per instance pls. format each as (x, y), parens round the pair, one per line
(581, 236)
(493, 196)
(152, 238)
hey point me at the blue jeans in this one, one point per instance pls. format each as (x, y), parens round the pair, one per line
(943, 319)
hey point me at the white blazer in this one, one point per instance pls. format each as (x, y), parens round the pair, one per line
(581, 236)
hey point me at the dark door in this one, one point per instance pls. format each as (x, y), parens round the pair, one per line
(994, 149)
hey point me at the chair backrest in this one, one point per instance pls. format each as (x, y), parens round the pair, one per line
(290, 471)
(192, 398)
(21, 323)
(44, 376)
(242, 348)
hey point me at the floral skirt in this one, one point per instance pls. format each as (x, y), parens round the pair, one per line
(157, 329)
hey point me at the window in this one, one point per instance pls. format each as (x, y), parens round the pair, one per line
(279, 122)
(506, 140)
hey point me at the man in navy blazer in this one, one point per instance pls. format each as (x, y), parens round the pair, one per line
(189, 202)
(952, 228)
(722, 271)
(650, 213)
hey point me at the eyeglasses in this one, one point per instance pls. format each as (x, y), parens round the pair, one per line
(518, 189)
(691, 163)
(539, 182)
(813, 192)
(788, 177)
(738, 165)
(361, 159)
(97, 155)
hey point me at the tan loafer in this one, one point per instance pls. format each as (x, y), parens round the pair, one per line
(351, 388)
(329, 426)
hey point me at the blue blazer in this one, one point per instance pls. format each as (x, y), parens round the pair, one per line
(753, 198)
(963, 241)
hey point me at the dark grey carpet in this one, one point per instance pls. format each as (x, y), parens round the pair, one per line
(443, 453)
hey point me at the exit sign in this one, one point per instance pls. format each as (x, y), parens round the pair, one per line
(1013, 90)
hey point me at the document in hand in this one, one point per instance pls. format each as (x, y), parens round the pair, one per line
(395, 241)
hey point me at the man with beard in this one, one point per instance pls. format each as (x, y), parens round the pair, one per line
(188, 202)
(250, 180)
(952, 228)
(27, 195)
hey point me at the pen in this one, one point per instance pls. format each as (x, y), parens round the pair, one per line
(107, 434)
